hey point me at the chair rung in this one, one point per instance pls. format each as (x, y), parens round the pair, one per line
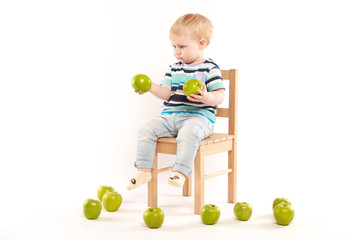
(164, 169)
(217, 173)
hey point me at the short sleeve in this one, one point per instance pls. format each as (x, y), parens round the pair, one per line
(167, 78)
(214, 80)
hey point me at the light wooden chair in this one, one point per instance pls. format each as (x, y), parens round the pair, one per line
(216, 143)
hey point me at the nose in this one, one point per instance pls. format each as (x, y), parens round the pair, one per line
(177, 52)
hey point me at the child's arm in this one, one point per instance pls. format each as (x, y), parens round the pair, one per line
(163, 92)
(215, 97)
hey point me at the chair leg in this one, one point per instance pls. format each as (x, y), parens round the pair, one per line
(199, 181)
(152, 185)
(232, 177)
(187, 187)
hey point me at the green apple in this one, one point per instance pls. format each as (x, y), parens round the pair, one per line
(102, 190)
(280, 200)
(284, 213)
(92, 208)
(154, 217)
(191, 86)
(141, 83)
(210, 214)
(243, 211)
(111, 201)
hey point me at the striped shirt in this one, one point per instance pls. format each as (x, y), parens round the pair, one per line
(178, 73)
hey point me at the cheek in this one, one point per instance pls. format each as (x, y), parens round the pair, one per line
(185, 52)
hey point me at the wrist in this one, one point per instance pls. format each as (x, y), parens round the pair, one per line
(207, 98)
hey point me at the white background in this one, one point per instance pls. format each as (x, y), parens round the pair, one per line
(69, 116)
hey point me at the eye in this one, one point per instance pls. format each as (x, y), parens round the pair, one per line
(178, 47)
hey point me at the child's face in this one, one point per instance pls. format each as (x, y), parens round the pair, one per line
(188, 50)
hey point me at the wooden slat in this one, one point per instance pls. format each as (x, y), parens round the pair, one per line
(167, 147)
(216, 137)
(167, 140)
(218, 147)
(153, 184)
(233, 129)
(233, 102)
(199, 181)
(164, 144)
(187, 188)
(225, 74)
(222, 112)
(217, 173)
(232, 177)
(165, 169)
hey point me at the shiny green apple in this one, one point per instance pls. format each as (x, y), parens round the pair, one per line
(154, 217)
(102, 190)
(280, 200)
(141, 83)
(210, 214)
(111, 201)
(243, 211)
(284, 213)
(92, 208)
(191, 86)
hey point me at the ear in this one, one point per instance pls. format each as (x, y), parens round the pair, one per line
(202, 43)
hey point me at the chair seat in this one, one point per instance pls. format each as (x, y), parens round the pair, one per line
(214, 138)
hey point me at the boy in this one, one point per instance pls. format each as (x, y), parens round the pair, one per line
(189, 119)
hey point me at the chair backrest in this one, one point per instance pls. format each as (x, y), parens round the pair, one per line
(231, 112)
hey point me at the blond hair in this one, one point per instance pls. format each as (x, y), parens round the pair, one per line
(199, 25)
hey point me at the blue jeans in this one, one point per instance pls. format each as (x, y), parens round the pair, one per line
(189, 130)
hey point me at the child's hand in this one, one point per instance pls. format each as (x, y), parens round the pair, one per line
(203, 97)
(139, 92)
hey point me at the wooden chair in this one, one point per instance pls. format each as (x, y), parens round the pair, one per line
(216, 143)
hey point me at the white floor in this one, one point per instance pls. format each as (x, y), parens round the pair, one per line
(62, 218)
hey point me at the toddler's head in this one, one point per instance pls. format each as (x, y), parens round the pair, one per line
(190, 35)
(199, 26)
